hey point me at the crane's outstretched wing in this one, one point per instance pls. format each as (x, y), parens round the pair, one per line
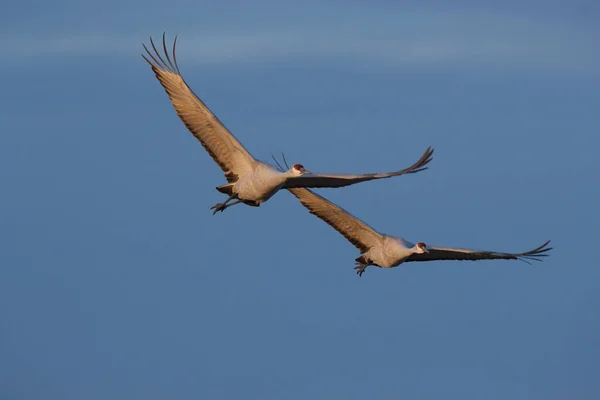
(357, 232)
(316, 180)
(440, 253)
(222, 146)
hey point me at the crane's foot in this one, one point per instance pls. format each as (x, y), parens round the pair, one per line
(360, 268)
(218, 207)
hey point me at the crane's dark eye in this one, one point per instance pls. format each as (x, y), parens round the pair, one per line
(299, 167)
(422, 245)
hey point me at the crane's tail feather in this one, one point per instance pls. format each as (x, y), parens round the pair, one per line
(226, 189)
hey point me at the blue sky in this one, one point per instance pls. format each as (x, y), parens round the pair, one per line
(116, 281)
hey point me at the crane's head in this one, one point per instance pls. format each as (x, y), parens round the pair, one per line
(298, 170)
(421, 248)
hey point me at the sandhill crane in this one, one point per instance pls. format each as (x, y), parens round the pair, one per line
(249, 181)
(389, 251)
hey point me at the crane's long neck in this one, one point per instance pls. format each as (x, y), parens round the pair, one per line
(402, 248)
(272, 175)
(291, 173)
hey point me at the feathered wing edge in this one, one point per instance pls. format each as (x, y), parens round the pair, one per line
(216, 139)
(361, 235)
(439, 253)
(322, 180)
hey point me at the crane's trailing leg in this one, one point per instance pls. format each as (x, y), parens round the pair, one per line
(227, 206)
(360, 268)
(222, 206)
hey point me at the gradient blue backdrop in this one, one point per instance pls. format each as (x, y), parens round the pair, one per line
(116, 282)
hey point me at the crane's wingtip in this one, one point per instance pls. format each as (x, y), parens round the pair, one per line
(544, 246)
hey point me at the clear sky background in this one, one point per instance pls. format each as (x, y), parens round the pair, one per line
(117, 282)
